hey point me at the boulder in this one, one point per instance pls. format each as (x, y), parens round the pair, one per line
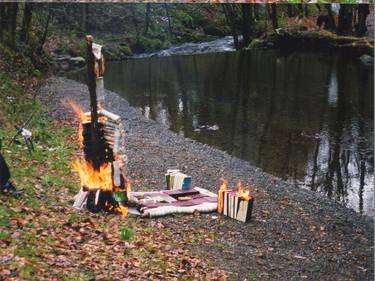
(77, 62)
(367, 60)
(64, 65)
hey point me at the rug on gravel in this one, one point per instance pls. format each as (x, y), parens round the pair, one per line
(165, 202)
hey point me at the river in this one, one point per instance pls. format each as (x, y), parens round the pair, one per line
(304, 117)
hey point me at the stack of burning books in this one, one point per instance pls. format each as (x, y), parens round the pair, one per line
(235, 203)
(104, 185)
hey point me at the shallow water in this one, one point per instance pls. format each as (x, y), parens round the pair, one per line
(224, 44)
(306, 118)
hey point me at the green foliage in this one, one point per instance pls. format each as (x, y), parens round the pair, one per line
(145, 44)
(119, 52)
(76, 276)
(256, 44)
(28, 272)
(184, 18)
(212, 29)
(126, 234)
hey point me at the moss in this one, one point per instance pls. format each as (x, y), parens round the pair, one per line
(119, 52)
(321, 40)
(212, 29)
(256, 44)
(125, 50)
(145, 44)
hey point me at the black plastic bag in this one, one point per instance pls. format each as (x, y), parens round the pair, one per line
(4, 172)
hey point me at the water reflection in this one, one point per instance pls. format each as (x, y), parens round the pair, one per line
(307, 118)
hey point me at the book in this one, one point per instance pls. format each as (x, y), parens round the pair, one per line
(177, 180)
(236, 207)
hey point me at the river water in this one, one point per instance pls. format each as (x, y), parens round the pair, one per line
(304, 117)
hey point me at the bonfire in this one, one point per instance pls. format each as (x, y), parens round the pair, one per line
(101, 135)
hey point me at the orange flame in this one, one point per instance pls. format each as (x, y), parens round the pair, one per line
(123, 210)
(92, 179)
(242, 192)
(82, 117)
(220, 198)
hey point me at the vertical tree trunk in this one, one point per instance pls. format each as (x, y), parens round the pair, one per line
(84, 17)
(363, 11)
(330, 16)
(256, 12)
(275, 23)
(345, 20)
(306, 8)
(231, 21)
(289, 10)
(3, 22)
(13, 23)
(246, 24)
(147, 19)
(134, 19)
(300, 9)
(169, 20)
(44, 36)
(27, 16)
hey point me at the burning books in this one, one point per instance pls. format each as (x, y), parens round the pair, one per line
(235, 203)
(101, 134)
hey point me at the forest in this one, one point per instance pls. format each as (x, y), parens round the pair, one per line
(137, 28)
(173, 141)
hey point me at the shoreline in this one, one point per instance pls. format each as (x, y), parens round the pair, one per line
(281, 213)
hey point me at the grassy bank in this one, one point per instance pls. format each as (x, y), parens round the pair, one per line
(41, 236)
(314, 40)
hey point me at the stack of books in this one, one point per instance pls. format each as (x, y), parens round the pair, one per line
(237, 207)
(177, 180)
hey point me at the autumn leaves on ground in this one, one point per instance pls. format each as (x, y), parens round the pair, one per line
(42, 237)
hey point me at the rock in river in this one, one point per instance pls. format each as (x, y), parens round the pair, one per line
(77, 61)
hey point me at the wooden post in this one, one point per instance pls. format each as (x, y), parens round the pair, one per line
(91, 78)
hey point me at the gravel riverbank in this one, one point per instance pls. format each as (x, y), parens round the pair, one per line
(294, 234)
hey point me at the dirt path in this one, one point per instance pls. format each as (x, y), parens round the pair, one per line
(294, 234)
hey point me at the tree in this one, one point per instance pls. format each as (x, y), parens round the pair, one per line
(330, 16)
(345, 20)
(39, 50)
(230, 16)
(273, 16)
(27, 16)
(290, 10)
(256, 12)
(147, 19)
(247, 22)
(12, 19)
(363, 11)
(306, 10)
(3, 20)
(134, 18)
(169, 20)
